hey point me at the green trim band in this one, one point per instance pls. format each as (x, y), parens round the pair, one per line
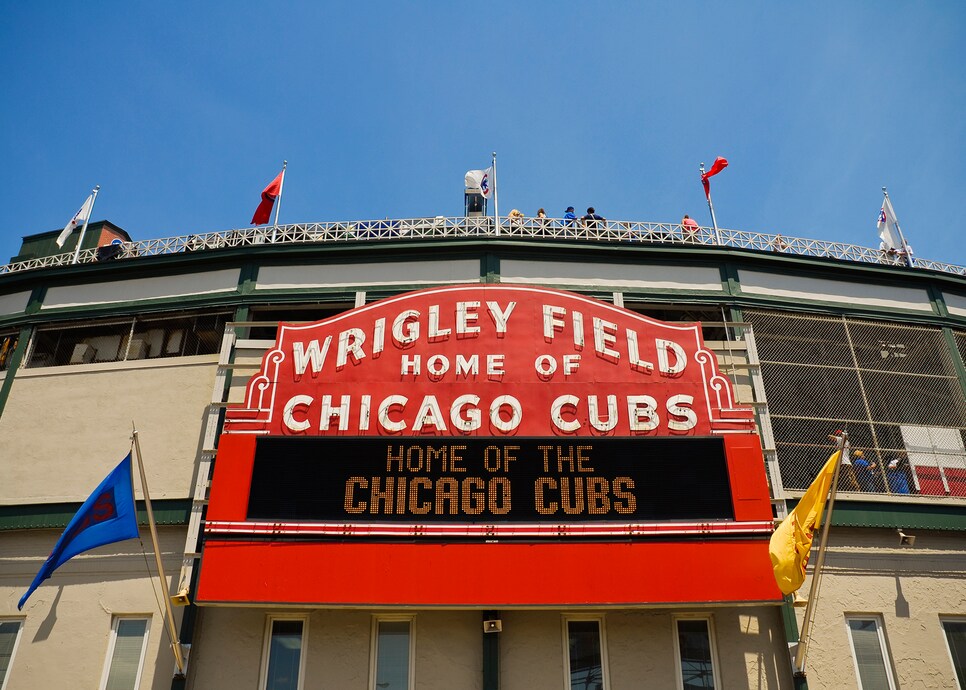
(896, 515)
(57, 515)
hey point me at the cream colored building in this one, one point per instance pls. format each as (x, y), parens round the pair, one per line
(168, 334)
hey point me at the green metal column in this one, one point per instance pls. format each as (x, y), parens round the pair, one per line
(491, 654)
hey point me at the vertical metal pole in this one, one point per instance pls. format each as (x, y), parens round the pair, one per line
(910, 262)
(496, 202)
(169, 617)
(714, 222)
(90, 211)
(817, 571)
(278, 202)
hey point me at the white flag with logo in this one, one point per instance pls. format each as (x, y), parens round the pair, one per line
(889, 226)
(480, 179)
(81, 217)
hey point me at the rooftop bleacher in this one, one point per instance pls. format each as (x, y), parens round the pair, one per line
(442, 227)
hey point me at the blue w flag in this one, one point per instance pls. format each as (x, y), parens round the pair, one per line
(107, 516)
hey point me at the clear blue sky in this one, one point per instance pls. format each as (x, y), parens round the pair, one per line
(183, 112)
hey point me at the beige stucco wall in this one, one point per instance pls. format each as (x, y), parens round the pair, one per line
(67, 620)
(909, 588)
(640, 649)
(228, 649)
(64, 428)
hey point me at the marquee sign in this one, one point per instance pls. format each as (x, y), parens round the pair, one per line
(441, 429)
(489, 361)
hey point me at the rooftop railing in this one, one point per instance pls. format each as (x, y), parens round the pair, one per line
(442, 227)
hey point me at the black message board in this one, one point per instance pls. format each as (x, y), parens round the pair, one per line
(489, 480)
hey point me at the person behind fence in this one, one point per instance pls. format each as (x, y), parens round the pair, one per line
(592, 219)
(515, 217)
(866, 472)
(897, 477)
(570, 217)
(689, 228)
(847, 479)
(778, 244)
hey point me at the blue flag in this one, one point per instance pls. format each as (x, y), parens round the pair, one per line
(107, 516)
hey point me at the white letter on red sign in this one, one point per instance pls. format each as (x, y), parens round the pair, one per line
(556, 413)
(405, 327)
(429, 414)
(392, 401)
(466, 314)
(301, 357)
(552, 320)
(350, 343)
(634, 353)
(545, 365)
(434, 330)
(500, 317)
(674, 404)
(288, 414)
(642, 410)
(516, 413)
(472, 420)
(680, 357)
(594, 413)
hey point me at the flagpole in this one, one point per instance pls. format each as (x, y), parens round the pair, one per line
(86, 220)
(278, 203)
(169, 617)
(905, 245)
(817, 570)
(714, 222)
(496, 202)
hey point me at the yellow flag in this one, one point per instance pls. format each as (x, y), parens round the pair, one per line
(792, 541)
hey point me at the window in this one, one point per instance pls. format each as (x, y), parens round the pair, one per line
(694, 646)
(282, 667)
(9, 637)
(390, 667)
(125, 654)
(127, 339)
(955, 630)
(869, 651)
(586, 662)
(937, 458)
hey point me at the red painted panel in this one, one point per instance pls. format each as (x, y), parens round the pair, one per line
(231, 483)
(749, 487)
(486, 575)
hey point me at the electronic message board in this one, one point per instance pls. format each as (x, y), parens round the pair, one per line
(487, 480)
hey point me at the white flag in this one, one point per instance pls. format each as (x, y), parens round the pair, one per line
(82, 216)
(480, 179)
(889, 226)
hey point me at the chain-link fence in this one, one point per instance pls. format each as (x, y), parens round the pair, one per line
(894, 388)
(131, 338)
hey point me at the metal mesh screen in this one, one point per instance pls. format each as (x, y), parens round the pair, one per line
(894, 388)
(118, 340)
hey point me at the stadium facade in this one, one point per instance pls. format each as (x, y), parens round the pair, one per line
(538, 456)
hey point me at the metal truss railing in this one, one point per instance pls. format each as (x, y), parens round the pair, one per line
(442, 227)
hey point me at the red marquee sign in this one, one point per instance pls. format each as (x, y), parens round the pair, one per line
(390, 455)
(489, 361)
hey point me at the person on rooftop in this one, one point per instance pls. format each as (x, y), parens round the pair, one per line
(592, 219)
(570, 217)
(689, 228)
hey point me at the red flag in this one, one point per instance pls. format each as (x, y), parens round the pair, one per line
(716, 167)
(269, 195)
